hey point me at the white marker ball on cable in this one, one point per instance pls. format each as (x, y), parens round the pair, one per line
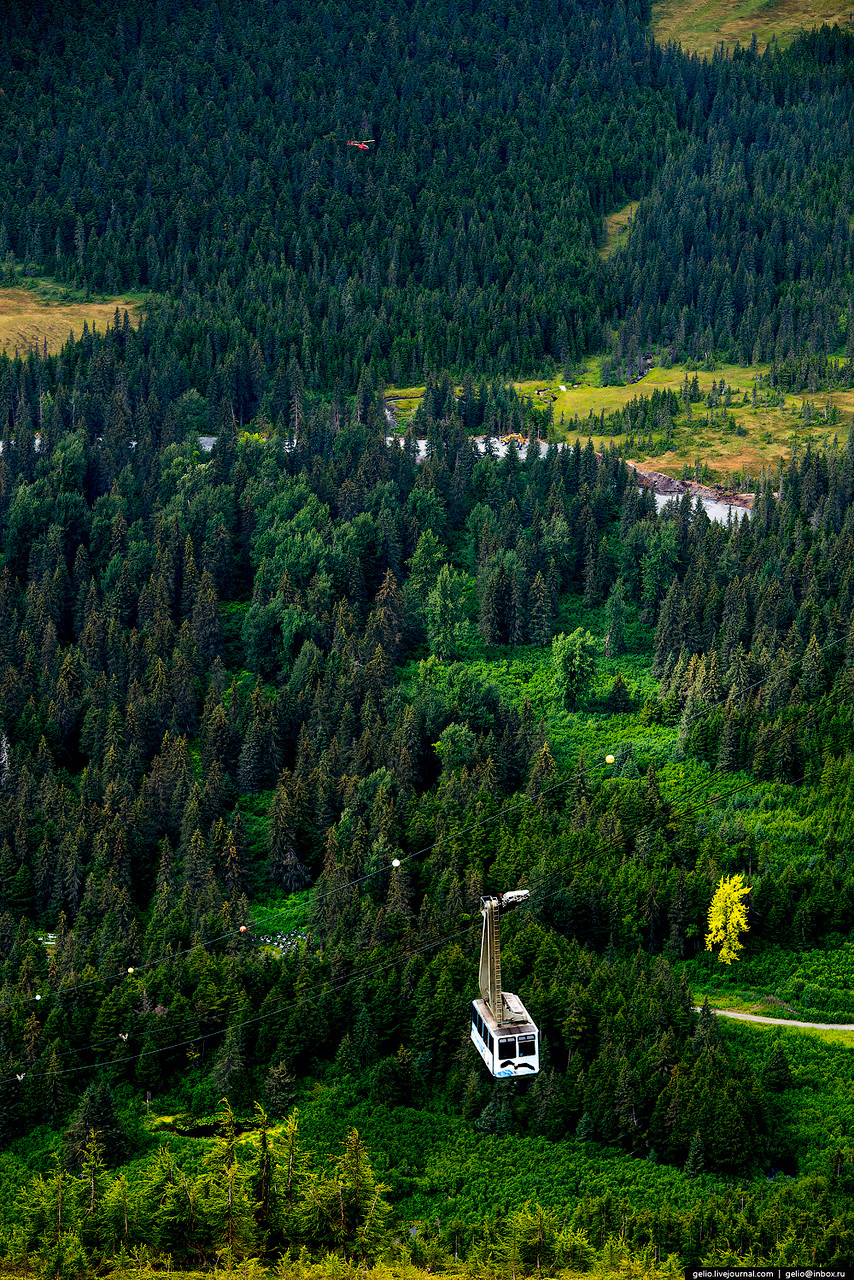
(395, 862)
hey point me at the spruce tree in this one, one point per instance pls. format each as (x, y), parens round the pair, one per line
(695, 1162)
(229, 1062)
(615, 617)
(226, 1201)
(96, 1114)
(539, 612)
(776, 1074)
(279, 1089)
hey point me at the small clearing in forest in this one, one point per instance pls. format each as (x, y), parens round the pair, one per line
(29, 317)
(617, 226)
(702, 25)
(764, 435)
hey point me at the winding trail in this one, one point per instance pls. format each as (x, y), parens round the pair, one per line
(779, 1022)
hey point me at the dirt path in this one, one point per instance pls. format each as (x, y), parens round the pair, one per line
(780, 1022)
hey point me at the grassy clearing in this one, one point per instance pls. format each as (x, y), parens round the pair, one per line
(403, 401)
(617, 227)
(700, 25)
(42, 310)
(843, 1038)
(527, 673)
(739, 1001)
(770, 431)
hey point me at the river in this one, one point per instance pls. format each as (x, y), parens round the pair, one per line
(718, 511)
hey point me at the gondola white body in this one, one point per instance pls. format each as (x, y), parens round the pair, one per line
(501, 1028)
(512, 1050)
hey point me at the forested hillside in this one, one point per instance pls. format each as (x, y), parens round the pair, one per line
(279, 702)
(203, 155)
(743, 245)
(203, 705)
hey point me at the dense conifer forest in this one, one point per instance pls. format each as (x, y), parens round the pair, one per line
(280, 699)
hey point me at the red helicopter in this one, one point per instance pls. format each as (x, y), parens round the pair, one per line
(364, 145)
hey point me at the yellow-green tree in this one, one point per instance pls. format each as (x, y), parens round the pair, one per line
(728, 917)
(226, 1204)
(349, 1210)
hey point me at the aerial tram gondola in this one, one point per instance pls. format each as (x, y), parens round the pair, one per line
(501, 1027)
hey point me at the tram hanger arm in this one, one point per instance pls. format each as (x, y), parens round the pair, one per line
(489, 975)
